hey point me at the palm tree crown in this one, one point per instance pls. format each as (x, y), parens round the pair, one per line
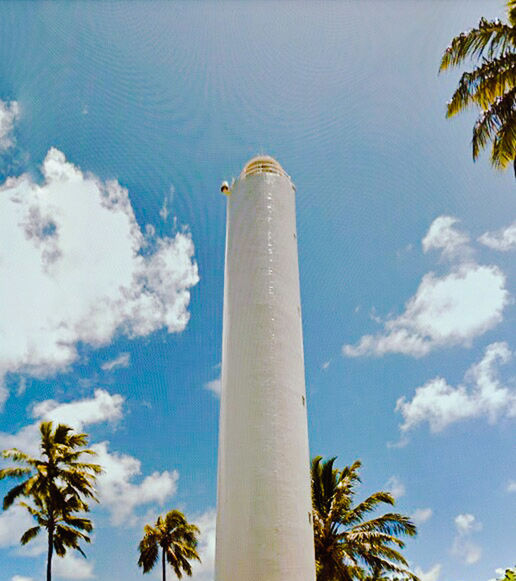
(347, 546)
(178, 542)
(57, 486)
(491, 86)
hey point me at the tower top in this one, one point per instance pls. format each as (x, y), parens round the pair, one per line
(263, 164)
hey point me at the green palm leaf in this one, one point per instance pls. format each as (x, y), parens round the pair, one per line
(346, 545)
(29, 535)
(55, 488)
(490, 86)
(177, 540)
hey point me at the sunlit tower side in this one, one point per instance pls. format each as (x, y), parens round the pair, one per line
(264, 524)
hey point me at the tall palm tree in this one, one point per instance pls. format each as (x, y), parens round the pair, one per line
(347, 546)
(178, 542)
(56, 487)
(491, 86)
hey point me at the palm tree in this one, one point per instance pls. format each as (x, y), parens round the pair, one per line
(491, 86)
(347, 546)
(56, 486)
(177, 539)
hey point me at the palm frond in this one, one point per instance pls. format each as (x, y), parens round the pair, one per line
(511, 12)
(347, 546)
(14, 472)
(490, 86)
(357, 514)
(491, 121)
(491, 37)
(29, 534)
(57, 487)
(13, 495)
(18, 456)
(178, 539)
(484, 85)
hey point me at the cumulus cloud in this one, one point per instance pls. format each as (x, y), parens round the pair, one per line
(467, 523)
(511, 487)
(482, 394)
(119, 494)
(503, 240)
(463, 547)
(121, 361)
(9, 113)
(448, 310)
(205, 570)
(431, 575)
(77, 414)
(215, 386)
(75, 267)
(73, 566)
(444, 237)
(116, 486)
(13, 523)
(396, 487)
(101, 408)
(421, 515)
(500, 573)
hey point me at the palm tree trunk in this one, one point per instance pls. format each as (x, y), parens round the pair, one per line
(164, 564)
(49, 554)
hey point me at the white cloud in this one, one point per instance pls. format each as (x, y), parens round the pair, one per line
(463, 547)
(441, 404)
(121, 496)
(448, 310)
(421, 515)
(401, 443)
(511, 487)
(101, 408)
(396, 487)
(9, 113)
(168, 198)
(325, 365)
(78, 268)
(121, 361)
(205, 571)
(503, 240)
(117, 491)
(215, 386)
(500, 573)
(466, 550)
(72, 566)
(467, 523)
(430, 575)
(443, 236)
(13, 523)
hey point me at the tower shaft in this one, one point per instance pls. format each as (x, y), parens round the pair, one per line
(264, 527)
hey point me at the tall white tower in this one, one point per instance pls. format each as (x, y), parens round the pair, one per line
(264, 523)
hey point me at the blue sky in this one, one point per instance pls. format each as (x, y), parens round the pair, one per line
(118, 121)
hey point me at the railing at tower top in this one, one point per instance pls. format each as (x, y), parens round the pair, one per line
(262, 165)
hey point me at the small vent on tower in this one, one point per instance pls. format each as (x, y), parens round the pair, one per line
(263, 164)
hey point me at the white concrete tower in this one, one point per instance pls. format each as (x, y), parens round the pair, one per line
(264, 523)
